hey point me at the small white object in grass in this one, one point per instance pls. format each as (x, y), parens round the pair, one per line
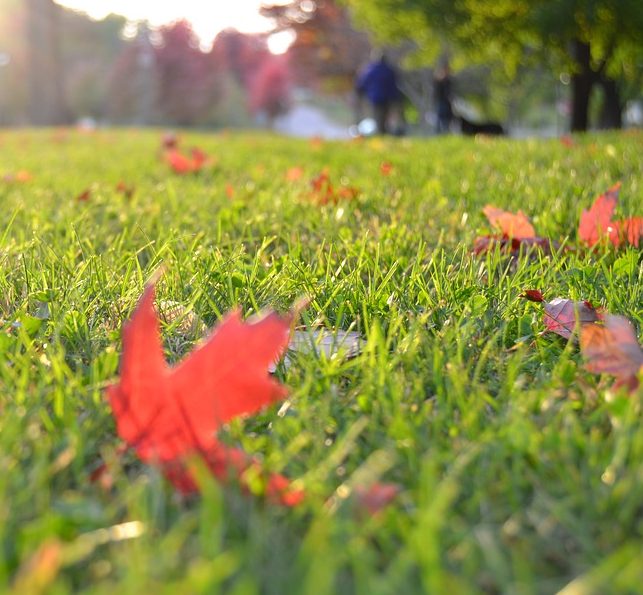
(322, 341)
(326, 342)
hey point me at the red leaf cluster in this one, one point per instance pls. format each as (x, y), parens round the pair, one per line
(612, 348)
(171, 414)
(596, 224)
(608, 342)
(325, 192)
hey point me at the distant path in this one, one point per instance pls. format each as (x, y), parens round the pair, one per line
(307, 121)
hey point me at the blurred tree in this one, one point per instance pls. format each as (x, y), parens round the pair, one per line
(188, 81)
(327, 50)
(132, 86)
(239, 54)
(270, 89)
(599, 42)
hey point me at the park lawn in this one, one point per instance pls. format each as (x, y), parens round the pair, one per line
(519, 471)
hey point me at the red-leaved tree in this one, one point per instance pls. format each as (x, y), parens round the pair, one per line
(270, 88)
(187, 79)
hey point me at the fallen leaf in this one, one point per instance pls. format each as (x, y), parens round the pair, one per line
(512, 246)
(199, 157)
(294, 173)
(376, 497)
(596, 223)
(533, 295)
(324, 192)
(562, 316)
(127, 190)
(511, 225)
(179, 163)
(21, 176)
(171, 414)
(567, 140)
(612, 348)
(169, 141)
(386, 168)
(516, 233)
(84, 195)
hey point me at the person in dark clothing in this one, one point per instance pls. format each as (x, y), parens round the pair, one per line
(442, 96)
(378, 84)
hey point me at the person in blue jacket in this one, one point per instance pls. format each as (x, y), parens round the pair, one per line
(378, 84)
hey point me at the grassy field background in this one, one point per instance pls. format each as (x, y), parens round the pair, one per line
(520, 472)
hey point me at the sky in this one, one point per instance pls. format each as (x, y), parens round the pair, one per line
(208, 17)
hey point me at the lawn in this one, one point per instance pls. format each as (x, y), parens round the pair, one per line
(518, 470)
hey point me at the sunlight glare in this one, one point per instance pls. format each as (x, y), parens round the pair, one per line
(206, 20)
(278, 43)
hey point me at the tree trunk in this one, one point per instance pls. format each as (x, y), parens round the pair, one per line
(582, 81)
(612, 111)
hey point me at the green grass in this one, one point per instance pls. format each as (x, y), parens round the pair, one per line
(520, 471)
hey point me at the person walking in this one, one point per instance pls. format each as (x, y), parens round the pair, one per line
(378, 84)
(442, 96)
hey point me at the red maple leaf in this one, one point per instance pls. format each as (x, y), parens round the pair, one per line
(596, 223)
(562, 316)
(612, 348)
(170, 414)
(511, 225)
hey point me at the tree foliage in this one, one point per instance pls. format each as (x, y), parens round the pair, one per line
(327, 51)
(597, 41)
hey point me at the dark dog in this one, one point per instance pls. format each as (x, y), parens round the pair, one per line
(469, 128)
